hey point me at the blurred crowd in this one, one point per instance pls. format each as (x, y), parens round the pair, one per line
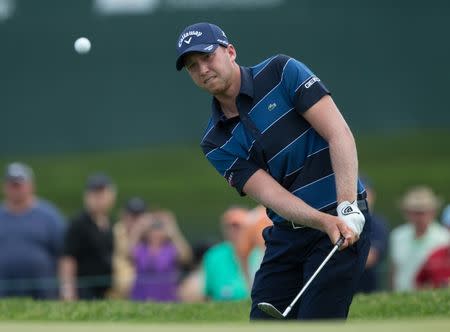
(144, 256)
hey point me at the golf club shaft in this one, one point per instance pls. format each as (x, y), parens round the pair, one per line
(336, 247)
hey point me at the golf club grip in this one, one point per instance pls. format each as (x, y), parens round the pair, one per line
(340, 242)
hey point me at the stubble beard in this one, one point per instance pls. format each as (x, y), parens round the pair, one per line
(220, 87)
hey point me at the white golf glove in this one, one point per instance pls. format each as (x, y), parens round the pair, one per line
(352, 216)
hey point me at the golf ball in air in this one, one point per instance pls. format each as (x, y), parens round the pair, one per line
(82, 45)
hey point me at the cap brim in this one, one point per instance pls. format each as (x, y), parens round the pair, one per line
(19, 178)
(135, 212)
(202, 48)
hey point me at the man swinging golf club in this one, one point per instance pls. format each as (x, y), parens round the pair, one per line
(276, 135)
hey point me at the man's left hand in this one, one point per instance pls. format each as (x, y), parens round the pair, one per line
(352, 216)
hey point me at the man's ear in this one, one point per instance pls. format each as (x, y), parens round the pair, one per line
(231, 52)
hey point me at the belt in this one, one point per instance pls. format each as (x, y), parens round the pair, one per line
(362, 205)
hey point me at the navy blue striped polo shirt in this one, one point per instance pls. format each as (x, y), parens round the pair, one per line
(270, 133)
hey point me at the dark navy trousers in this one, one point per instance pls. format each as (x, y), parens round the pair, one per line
(291, 258)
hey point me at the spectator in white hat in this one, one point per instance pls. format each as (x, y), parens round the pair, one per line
(412, 243)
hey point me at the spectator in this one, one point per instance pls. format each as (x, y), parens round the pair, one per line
(123, 266)
(157, 249)
(31, 236)
(222, 275)
(252, 238)
(191, 285)
(446, 217)
(87, 263)
(379, 236)
(435, 272)
(411, 243)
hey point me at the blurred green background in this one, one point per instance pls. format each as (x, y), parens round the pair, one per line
(125, 110)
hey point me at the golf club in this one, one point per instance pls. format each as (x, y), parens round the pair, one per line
(274, 312)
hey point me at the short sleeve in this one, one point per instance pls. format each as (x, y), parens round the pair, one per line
(57, 232)
(303, 87)
(236, 170)
(207, 286)
(72, 240)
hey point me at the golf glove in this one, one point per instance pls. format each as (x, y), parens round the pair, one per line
(352, 216)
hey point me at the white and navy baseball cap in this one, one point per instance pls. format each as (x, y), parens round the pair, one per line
(200, 37)
(18, 172)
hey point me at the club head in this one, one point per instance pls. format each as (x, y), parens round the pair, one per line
(270, 310)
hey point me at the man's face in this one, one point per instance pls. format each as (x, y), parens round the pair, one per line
(233, 223)
(130, 218)
(212, 72)
(420, 218)
(17, 191)
(100, 200)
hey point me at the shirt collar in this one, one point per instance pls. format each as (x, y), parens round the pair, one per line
(245, 89)
(246, 82)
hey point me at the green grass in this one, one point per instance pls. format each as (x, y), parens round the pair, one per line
(429, 310)
(402, 305)
(440, 325)
(429, 304)
(179, 177)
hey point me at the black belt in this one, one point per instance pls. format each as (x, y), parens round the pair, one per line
(362, 206)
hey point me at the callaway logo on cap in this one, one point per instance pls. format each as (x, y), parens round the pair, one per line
(199, 37)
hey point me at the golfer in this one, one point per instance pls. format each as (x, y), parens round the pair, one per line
(276, 135)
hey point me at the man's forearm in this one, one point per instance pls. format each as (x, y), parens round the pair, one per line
(344, 161)
(268, 192)
(265, 190)
(326, 119)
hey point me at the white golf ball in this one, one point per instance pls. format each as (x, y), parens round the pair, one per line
(82, 45)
